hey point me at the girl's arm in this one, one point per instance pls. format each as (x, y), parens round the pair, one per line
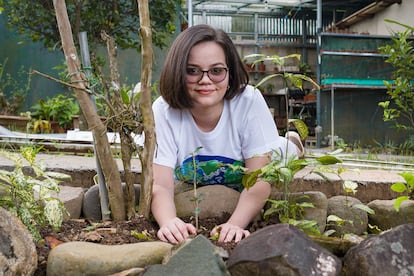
(250, 204)
(172, 229)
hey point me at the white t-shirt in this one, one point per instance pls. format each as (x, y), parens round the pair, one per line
(245, 129)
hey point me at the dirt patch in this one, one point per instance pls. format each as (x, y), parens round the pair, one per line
(113, 233)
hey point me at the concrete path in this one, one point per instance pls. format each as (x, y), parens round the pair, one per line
(373, 183)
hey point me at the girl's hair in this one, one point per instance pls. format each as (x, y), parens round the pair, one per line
(172, 81)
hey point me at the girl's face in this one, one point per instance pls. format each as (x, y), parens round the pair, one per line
(207, 89)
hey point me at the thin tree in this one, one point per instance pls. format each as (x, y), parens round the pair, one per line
(103, 150)
(146, 110)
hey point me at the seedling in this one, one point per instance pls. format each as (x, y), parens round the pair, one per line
(406, 188)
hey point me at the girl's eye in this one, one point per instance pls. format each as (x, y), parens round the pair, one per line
(216, 71)
(193, 71)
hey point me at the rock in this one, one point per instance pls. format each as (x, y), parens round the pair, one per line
(85, 258)
(387, 217)
(319, 201)
(72, 198)
(389, 253)
(337, 246)
(18, 255)
(344, 207)
(91, 207)
(281, 249)
(195, 257)
(216, 200)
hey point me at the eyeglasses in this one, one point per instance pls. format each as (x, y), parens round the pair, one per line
(216, 74)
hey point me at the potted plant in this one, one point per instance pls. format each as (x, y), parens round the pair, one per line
(269, 88)
(305, 69)
(54, 114)
(262, 66)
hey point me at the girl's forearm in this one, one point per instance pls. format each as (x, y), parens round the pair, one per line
(162, 206)
(250, 204)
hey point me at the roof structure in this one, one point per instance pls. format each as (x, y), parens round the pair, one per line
(342, 7)
(340, 13)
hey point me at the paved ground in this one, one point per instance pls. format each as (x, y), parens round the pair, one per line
(374, 183)
(81, 168)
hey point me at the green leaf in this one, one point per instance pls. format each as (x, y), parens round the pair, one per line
(125, 96)
(328, 160)
(399, 187)
(364, 208)
(334, 218)
(141, 236)
(305, 205)
(265, 79)
(341, 170)
(215, 237)
(255, 56)
(301, 127)
(399, 23)
(57, 175)
(398, 201)
(329, 232)
(409, 178)
(374, 229)
(250, 179)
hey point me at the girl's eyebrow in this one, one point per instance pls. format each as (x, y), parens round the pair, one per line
(211, 65)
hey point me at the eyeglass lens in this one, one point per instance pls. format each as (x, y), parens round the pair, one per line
(195, 75)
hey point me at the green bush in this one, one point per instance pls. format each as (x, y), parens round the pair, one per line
(28, 193)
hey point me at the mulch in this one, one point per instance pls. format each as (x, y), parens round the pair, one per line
(138, 229)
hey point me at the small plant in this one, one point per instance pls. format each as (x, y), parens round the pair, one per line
(406, 189)
(197, 198)
(270, 87)
(193, 177)
(349, 187)
(291, 210)
(281, 173)
(305, 69)
(28, 195)
(59, 109)
(399, 108)
(289, 79)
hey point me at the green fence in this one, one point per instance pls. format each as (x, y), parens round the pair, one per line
(355, 57)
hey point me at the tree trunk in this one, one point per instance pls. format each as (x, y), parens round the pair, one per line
(127, 142)
(103, 150)
(146, 109)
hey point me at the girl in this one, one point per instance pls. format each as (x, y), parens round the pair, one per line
(207, 104)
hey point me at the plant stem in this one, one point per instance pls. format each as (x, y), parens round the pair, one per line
(195, 191)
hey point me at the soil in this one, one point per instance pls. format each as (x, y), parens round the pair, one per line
(113, 233)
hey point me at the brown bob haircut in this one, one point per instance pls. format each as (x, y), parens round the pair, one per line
(172, 80)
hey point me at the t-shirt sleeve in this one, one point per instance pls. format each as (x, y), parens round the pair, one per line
(260, 134)
(166, 148)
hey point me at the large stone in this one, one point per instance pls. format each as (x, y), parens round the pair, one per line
(216, 200)
(91, 207)
(18, 255)
(389, 253)
(85, 258)
(281, 249)
(72, 198)
(196, 257)
(356, 220)
(386, 217)
(320, 202)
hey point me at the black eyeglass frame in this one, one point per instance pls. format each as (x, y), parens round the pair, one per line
(208, 75)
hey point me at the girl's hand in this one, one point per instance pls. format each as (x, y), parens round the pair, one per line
(227, 232)
(176, 231)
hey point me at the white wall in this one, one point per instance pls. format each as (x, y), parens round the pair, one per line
(376, 25)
